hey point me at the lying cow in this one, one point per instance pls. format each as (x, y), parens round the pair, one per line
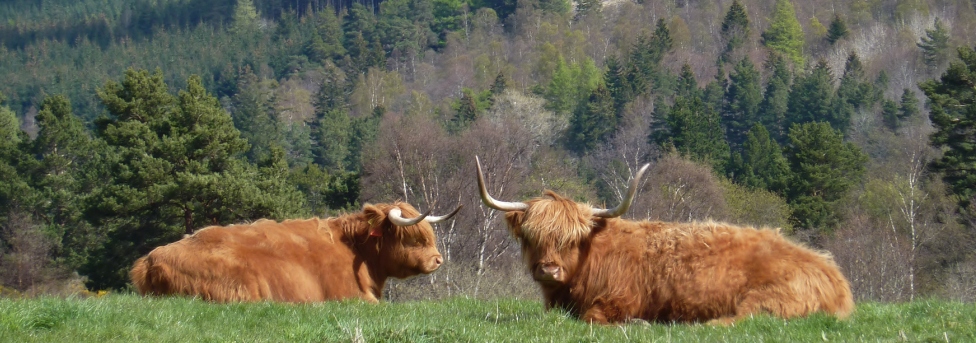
(349, 256)
(608, 270)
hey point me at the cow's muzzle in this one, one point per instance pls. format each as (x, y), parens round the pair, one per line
(548, 272)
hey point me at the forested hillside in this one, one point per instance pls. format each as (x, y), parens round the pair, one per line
(850, 125)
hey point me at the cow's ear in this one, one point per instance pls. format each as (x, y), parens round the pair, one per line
(376, 231)
(374, 219)
(514, 220)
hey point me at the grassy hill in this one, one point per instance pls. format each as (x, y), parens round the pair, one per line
(129, 318)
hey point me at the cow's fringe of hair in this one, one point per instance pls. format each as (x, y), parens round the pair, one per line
(556, 221)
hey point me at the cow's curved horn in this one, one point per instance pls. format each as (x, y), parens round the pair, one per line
(491, 202)
(438, 219)
(628, 200)
(396, 217)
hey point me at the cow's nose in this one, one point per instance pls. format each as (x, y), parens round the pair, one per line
(551, 270)
(438, 260)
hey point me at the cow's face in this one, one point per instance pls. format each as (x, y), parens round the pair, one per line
(551, 232)
(406, 250)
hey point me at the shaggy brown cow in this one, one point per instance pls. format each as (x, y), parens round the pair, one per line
(316, 259)
(606, 270)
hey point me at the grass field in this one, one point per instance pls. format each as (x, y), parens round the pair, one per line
(130, 318)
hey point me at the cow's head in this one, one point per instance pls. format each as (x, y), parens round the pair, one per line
(406, 241)
(552, 229)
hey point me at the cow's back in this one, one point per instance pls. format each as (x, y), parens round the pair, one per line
(703, 271)
(292, 261)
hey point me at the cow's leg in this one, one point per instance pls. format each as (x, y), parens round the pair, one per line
(773, 301)
(594, 315)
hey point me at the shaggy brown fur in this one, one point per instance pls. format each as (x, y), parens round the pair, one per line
(292, 261)
(614, 270)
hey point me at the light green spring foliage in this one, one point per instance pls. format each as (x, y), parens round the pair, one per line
(127, 318)
(785, 35)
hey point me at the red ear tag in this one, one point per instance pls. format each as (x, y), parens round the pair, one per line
(376, 232)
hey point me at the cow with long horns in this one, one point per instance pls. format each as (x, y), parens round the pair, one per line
(349, 256)
(604, 269)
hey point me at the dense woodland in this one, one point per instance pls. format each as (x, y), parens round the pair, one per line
(850, 125)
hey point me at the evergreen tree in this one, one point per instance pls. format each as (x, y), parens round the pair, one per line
(824, 169)
(245, 17)
(837, 30)
(497, 87)
(735, 30)
(695, 131)
(327, 39)
(952, 101)
(644, 71)
(811, 98)
(854, 87)
(594, 122)
(687, 84)
(254, 117)
(785, 35)
(935, 45)
(173, 167)
(616, 80)
(742, 100)
(14, 188)
(467, 110)
(908, 107)
(889, 114)
(761, 165)
(62, 154)
(775, 103)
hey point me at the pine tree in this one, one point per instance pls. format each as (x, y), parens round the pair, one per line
(761, 165)
(332, 137)
(245, 17)
(952, 105)
(889, 114)
(785, 35)
(594, 122)
(837, 30)
(14, 187)
(695, 131)
(775, 103)
(935, 45)
(824, 169)
(908, 107)
(616, 80)
(173, 165)
(742, 100)
(811, 97)
(735, 30)
(467, 110)
(254, 118)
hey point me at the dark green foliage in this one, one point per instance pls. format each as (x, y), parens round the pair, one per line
(594, 122)
(498, 87)
(694, 130)
(616, 81)
(785, 35)
(824, 168)
(62, 175)
(644, 71)
(837, 30)
(952, 102)
(775, 103)
(173, 166)
(687, 85)
(889, 114)
(811, 99)
(935, 45)
(761, 165)
(854, 87)
(326, 192)
(14, 187)
(326, 42)
(735, 30)
(332, 134)
(742, 100)
(254, 117)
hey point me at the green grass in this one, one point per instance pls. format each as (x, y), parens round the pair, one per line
(129, 318)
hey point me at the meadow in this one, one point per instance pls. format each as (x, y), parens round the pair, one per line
(130, 318)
